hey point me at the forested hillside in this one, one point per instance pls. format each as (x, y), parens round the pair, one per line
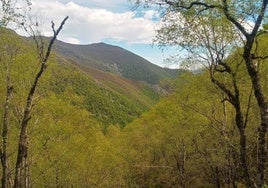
(188, 139)
(71, 103)
(100, 116)
(111, 99)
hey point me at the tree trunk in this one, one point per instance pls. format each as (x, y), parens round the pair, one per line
(23, 145)
(262, 149)
(243, 142)
(243, 158)
(4, 155)
(22, 148)
(234, 99)
(263, 107)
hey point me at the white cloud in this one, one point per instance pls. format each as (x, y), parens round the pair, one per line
(118, 5)
(72, 40)
(151, 14)
(88, 25)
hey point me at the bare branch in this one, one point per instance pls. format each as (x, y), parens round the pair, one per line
(195, 3)
(23, 144)
(53, 27)
(56, 32)
(259, 57)
(233, 20)
(230, 95)
(260, 18)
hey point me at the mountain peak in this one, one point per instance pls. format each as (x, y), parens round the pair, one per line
(105, 45)
(114, 59)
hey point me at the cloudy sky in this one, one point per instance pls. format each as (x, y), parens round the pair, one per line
(110, 21)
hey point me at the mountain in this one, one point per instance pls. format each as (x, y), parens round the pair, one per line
(115, 60)
(110, 98)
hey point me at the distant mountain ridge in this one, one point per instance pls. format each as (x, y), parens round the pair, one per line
(115, 60)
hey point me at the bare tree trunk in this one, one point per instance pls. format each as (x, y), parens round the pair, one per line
(243, 145)
(262, 130)
(22, 145)
(234, 99)
(262, 141)
(4, 155)
(26, 174)
(263, 106)
(23, 148)
(256, 84)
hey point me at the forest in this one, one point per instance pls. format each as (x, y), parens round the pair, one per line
(62, 128)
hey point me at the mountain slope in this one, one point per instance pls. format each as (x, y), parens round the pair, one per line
(142, 93)
(116, 60)
(110, 99)
(105, 104)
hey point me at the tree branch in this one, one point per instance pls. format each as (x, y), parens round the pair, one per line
(233, 20)
(56, 32)
(259, 19)
(195, 3)
(259, 57)
(230, 95)
(23, 145)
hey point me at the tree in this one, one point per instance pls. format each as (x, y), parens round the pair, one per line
(10, 13)
(211, 31)
(22, 145)
(9, 52)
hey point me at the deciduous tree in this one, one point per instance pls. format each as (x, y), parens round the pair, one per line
(211, 31)
(23, 145)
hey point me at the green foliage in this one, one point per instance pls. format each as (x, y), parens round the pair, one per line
(188, 139)
(68, 148)
(105, 104)
(61, 125)
(88, 133)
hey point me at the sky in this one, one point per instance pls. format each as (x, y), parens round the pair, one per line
(114, 22)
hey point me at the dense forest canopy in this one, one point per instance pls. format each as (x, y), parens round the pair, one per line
(62, 127)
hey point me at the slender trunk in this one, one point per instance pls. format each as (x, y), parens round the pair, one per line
(262, 149)
(243, 158)
(22, 153)
(243, 144)
(234, 99)
(233, 164)
(218, 182)
(23, 145)
(4, 155)
(26, 174)
(263, 107)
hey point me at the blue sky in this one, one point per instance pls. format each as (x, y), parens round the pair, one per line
(110, 21)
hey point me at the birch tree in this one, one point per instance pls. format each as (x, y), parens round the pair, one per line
(211, 31)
